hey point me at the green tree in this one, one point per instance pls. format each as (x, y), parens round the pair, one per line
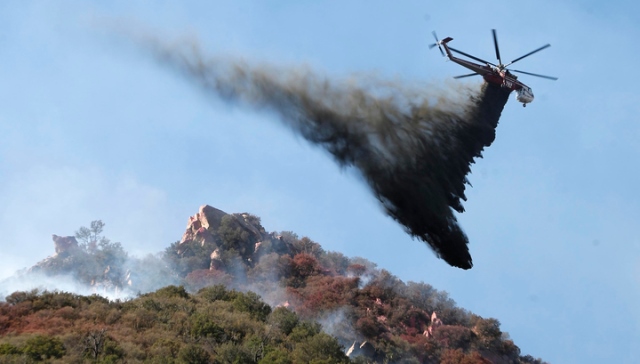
(276, 356)
(172, 291)
(42, 347)
(22, 296)
(304, 330)
(284, 319)
(193, 354)
(233, 354)
(232, 235)
(252, 303)
(100, 259)
(320, 348)
(202, 326)
(112, 352)
(214, 293)
(488, 331)
(90, 237)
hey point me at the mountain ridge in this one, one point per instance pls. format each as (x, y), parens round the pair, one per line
(371, 314)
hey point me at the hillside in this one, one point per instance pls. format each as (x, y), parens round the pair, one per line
(229, 291)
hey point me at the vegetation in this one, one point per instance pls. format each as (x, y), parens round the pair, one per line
(167, 326)
(311, 306)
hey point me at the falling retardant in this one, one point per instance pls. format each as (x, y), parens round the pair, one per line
(413, 145)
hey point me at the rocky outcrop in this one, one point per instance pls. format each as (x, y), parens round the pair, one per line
(204, 229)
(435, 323)
(216, 262)
(64, 245)
(360, 348)
(65, 248)
(200, 225)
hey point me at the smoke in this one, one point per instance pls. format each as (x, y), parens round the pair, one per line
(412, 145)
(146, 274)
(23, 281)
(338, 323)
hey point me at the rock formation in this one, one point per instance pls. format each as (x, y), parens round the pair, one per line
(198, 225)
(65, 248)
(364, 348)
(435, 323)
(64, 245)
(203, 229)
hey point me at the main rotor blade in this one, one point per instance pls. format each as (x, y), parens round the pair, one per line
(530, 53)
(470, 56)
(535, 74)
(495, 43)
(469, 75)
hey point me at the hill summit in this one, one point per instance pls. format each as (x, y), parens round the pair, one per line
(229, 291)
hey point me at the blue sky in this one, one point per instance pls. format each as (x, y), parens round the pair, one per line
(91, 128)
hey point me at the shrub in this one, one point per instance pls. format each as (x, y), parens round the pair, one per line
(42, 347)
(8, 349)
(276, 356)
(172, 291)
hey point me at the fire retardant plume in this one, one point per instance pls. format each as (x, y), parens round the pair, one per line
(412, 145)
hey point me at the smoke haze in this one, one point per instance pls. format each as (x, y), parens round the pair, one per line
(412, 145)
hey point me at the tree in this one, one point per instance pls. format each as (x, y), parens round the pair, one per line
(214, 293)
(99, 259)
(276, 356)
(284, 319)
(233, 235)
(172, 291)
(112, 352)
(320, 348)
(233, 354)
(94, 343)
(22, 296)
(301, 267)
(90, 237)
(42, 347)
(193, 354)
(457, 356)
(202, 326)
(252, 303)
(304, 330)
(488, 331)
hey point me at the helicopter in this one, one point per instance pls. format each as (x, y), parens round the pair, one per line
(493, 73)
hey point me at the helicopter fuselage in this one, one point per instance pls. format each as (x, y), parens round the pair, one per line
(497, 74)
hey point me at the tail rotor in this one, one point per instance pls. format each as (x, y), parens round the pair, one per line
(437, 43)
